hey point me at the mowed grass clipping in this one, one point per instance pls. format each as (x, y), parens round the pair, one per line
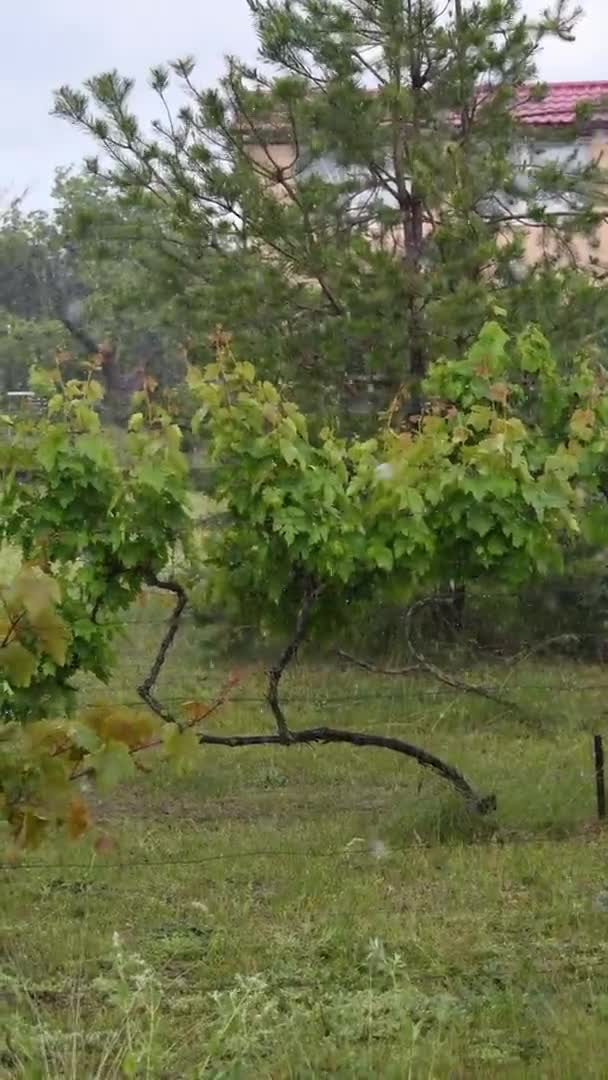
(330, 911)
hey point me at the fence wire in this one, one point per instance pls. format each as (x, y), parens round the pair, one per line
(413, 692)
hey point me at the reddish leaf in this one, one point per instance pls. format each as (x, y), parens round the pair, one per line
(104, 844)
(78, 819)
(195, 711)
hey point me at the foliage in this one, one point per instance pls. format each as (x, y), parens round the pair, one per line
(490, 482)
(105, 528)
(92, 532)
(33, 275)
(85, 273)
(36, 271)
(495, 479)
(363, 172)
(131, 273)
(24, 343)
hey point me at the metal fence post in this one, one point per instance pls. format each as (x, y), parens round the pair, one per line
(600, 780)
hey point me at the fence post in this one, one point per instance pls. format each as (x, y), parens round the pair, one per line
(600, 781)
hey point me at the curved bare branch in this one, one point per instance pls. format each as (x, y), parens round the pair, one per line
(482, 803)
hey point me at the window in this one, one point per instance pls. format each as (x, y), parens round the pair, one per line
(369, 190)
(544, 167)
(539, 169)
(326, 167)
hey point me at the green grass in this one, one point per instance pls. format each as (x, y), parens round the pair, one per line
(332, 911)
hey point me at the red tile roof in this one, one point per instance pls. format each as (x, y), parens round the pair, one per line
(559, 104)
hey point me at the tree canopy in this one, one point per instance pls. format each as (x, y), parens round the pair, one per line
(351, 208)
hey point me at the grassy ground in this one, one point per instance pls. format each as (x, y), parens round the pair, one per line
(330, 911)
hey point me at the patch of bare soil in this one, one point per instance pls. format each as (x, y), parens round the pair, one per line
(144, 806)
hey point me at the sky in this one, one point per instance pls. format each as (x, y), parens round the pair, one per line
(46, 43)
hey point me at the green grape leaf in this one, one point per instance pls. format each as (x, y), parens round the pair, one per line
(182, 748)
(112, 765)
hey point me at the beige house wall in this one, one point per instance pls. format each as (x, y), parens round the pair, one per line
(580, 247)
(281, 156)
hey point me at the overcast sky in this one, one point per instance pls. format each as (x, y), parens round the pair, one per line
(49, 42)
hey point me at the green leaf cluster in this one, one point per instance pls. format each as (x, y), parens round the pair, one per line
(102, 525)
(495, 478)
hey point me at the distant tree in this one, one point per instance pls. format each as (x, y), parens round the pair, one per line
(79, 279)
(395, 220)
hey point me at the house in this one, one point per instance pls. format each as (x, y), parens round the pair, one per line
(550, 122)
(555, 133)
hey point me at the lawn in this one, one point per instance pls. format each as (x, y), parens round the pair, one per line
(331, 911)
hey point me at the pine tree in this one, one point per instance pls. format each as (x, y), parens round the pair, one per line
(365, 192)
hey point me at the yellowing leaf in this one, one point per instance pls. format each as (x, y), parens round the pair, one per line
(48, 735)
(18, 663)
(195, 711)
(33, 590)
(460, 434)
(480, 417)
(245, 371)
(495, 444)
(133, 727)
(136, 421)
(581, 424)
(95, 391)
(499, 393)
(53, 635)
(563, 461)
(29, 829)
(514, 429)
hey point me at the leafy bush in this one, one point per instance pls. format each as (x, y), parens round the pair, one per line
(499, 478)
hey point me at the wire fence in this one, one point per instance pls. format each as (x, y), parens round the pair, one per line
(333, 682)
(353, 852)
(350, 856)
(392, 703)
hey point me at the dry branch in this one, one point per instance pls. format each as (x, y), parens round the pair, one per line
(437, 672)
(540, 646)
(368, 666)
